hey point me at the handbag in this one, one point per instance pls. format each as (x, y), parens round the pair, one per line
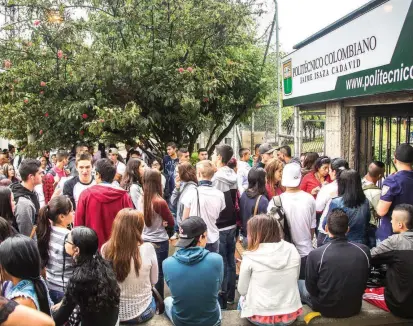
(160, 305)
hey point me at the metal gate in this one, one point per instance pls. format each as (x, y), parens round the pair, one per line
(380, 129)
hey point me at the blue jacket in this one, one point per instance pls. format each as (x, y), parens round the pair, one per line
(247, 206)
(194, 276)
(358, 219)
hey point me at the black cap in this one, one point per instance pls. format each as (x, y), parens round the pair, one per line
(189, 229)
(404, 153)
(266, 148)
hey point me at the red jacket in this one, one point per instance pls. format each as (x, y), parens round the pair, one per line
(310, 182)
(98, 206)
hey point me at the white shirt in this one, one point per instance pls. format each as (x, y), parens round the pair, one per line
(212, 203)
(242, 176)
(40, 194)
(322, 203)
(300, 211)
(120, 168)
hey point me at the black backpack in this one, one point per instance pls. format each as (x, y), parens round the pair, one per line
(278, 213)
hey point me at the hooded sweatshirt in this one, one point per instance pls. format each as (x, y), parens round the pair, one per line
(98, 206)
(268, 280)
(195, 301)
(27, 208)
(225, 179)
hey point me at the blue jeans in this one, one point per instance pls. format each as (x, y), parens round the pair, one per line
(145, 316)
(227, 244)
(304, 295)
(56, 296)
(213, 247)
(161, 249)
(168, 311)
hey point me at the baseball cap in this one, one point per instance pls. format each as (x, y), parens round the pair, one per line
(113, 151)
(291, 175)
(266, 148)
(189, 229)
(404, 153)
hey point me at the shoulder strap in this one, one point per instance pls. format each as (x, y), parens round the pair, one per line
(199, 206)
(370, 186)
(256, 205)
(277, 201)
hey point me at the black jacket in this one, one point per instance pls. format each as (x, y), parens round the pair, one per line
(397, 253)
(336, 277)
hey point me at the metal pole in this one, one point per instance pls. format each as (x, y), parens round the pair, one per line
(252, 133)
(296, 132)
(277, 51)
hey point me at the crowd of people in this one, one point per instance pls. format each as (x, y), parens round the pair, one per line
(85, 237)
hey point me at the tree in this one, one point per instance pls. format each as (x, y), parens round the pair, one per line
(162, 70)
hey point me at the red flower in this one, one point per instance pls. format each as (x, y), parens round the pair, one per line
(46, 115)
(26, 100)
(101, 120)
(84, 116)
(81, 132)
(36, 23)
(41, 132)
(206, 99)
(16, 81)
(60, 54)
(181, 70)
(189, 69)
(41, 92)
(42, 84)
(7, 64)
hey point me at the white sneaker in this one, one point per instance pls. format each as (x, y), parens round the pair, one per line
(174, 237)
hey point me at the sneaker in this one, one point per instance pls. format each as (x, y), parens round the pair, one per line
(230, 302)
(175, 236)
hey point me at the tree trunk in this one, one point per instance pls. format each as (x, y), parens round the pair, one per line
(224, 133)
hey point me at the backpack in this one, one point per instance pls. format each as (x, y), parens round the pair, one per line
(373, 214)
(278, 213)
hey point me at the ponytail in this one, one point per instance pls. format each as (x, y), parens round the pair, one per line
(60, 205)
(42, 296)
(43, 232)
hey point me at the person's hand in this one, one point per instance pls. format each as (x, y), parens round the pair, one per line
(57, 192)
(177, 182)
(315, 191)
(56, 306)
(165, 223)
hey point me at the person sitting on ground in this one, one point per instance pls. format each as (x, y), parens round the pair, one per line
(243, 169)
(52, 229)
(369, 183)
(207, 203)
(397, 252)
(268, 276)
(132, 181)
(196, 304)
(92, 287)
(20, 266)
(27, 201)
(336, 273)
(135, 265)
(354, 202)
(397, 189)
(253, 201)
(309, 161)
(299, 209)
(274, 171)
(99, 204)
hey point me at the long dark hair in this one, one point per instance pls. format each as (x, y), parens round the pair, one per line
(132, 175)
(256, 182)
(93, 285)
(320, 162)
(6, 229)
(310, 159)
(152, 187)
(60, 205)
(20, 258)
(101, 148)
(339, 165)
(6, 172)
(350, 189)
(124, 242)
(5, 204)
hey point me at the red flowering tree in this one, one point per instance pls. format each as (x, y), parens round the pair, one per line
(161, 70)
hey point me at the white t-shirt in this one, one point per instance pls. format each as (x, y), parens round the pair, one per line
(40, 194)
(212, 203)
(322, 203)
(300, 211)
(120, 168)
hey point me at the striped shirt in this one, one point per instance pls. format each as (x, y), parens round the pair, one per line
(54, 268)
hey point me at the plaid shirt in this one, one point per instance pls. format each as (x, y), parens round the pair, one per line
(48, 187)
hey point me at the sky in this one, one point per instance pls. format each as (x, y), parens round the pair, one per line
(300, 19)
